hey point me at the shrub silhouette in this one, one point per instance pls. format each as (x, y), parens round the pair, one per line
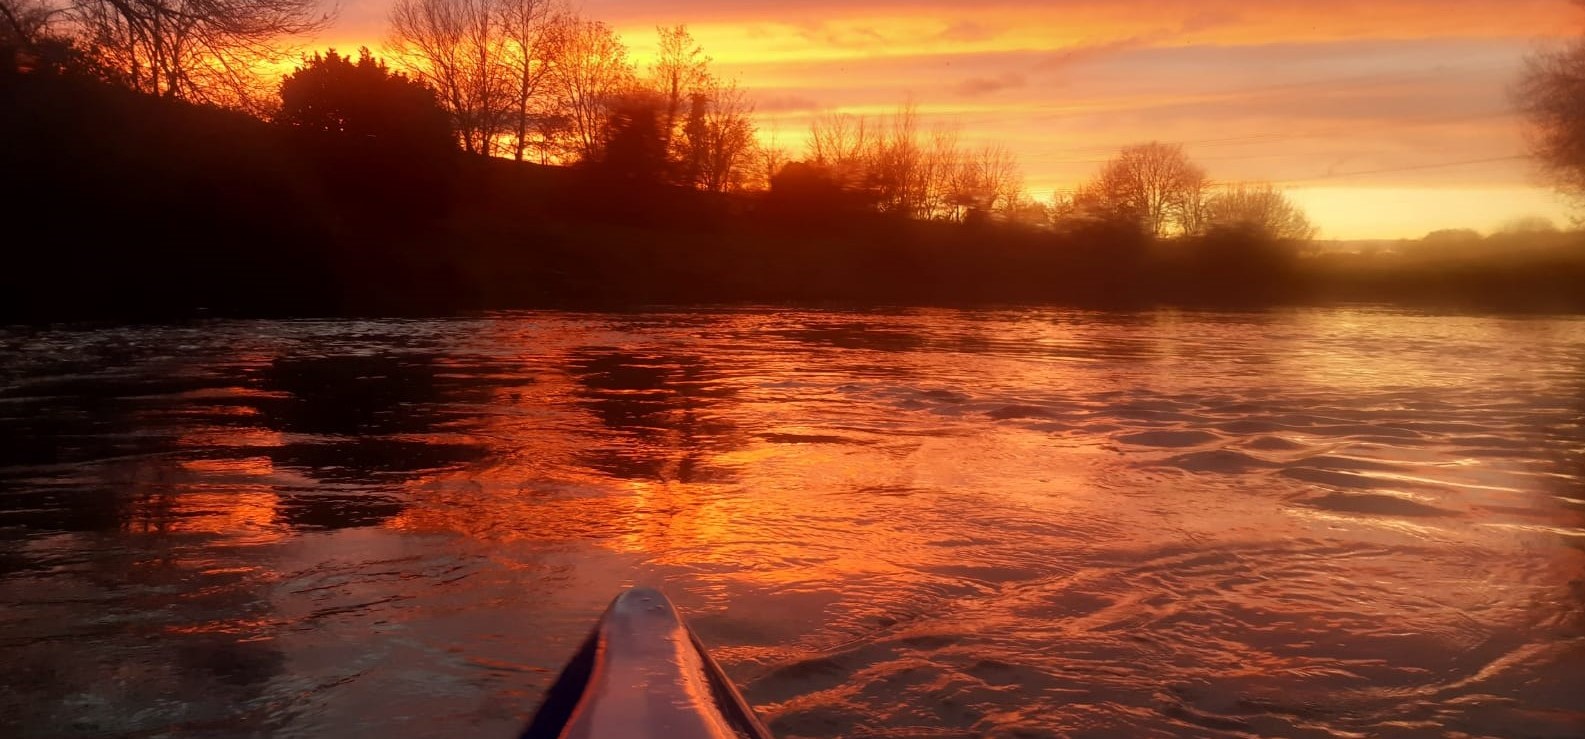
(1233, 264)
(379, 139)
(808, 194)
(362, 98)
(634, 150)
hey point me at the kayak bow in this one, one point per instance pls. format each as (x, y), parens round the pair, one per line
(642, 673)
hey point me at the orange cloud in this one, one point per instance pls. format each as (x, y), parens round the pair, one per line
(762, 32)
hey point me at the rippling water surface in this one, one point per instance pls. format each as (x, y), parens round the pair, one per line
(921, 523)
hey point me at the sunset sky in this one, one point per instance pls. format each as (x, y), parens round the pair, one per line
(1384, 118)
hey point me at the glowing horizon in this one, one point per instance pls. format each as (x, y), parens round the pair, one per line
(1383, 119)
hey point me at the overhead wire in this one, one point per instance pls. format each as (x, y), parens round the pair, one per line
(1408, 168)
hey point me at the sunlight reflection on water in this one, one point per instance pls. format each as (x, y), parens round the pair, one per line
(920, 523)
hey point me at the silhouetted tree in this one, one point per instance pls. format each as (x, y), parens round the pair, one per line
(23, 24)
(680, 74)
(1028, 212)
(902, 169)
(203, 50)
(1451, 237)
(1551, 95)
(331, 93)
(839, 142)
(688, 150)
(1154, 183)
(532, 32)
(1193, 212)
(766, 158)
(802, 189)
(593, 74)
(634, 142)
(33, 40)
(1257, 208)
(894, 166)
(1089, 210)
(723, 139)
(493, 65)
(941, 163)
(988, 182)
(551, 135)
(1528, 225)
(378, 140)
(1236, 262)
(456, 47)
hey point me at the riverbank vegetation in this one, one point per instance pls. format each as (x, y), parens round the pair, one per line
(510, 154)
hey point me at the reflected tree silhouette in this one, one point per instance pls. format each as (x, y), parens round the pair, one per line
(351, 394)
(355, 427)
(663, 407)
(74, 452)
(860, 335)
(365, 418)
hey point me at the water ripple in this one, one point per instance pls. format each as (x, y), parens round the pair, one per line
(886, 523)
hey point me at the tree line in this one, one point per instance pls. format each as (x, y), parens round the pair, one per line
(204, 51)
(532, 80)
(1157, 188)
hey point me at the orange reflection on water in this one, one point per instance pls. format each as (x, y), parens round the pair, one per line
(925, 522)
(721, 467)
(233, 498)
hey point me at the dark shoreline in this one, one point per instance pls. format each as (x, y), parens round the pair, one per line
(180, 211)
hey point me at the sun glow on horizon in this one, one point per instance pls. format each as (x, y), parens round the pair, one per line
(1338, 104)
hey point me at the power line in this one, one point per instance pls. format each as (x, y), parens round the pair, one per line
(1410, 168)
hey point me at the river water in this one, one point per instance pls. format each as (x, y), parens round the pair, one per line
(911, 523)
